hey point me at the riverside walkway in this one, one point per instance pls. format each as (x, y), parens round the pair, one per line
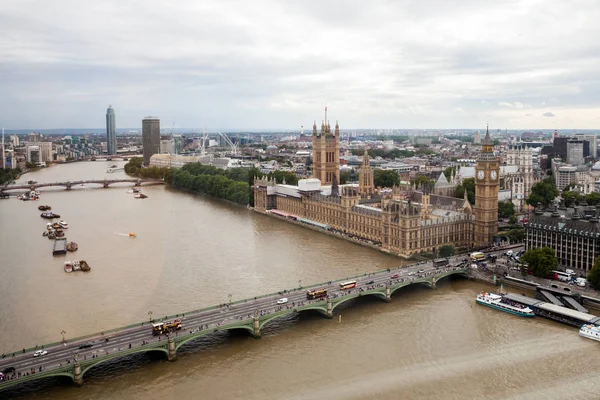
(68, 185)
(68, 358)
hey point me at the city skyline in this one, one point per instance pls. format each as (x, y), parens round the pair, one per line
(519, 65)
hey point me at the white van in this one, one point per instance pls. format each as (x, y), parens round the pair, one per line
(570, 271)
(581, 282)
(509, 253)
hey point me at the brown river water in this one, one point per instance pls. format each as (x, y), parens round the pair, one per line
(192, 251)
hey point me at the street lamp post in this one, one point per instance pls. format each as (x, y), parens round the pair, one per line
(229, 298)
(63, 334)
(299, 283)
(150, 315)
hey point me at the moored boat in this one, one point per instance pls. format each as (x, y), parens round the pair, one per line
(59, 233)
(590, 331)
(63, 224)
(72, 246)
(44, 208)
(84, 266)
(140, 195)
(56, 225)
(497, 301)
(49, 215)
(68, 266)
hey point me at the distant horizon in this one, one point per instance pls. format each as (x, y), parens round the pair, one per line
(59, 131)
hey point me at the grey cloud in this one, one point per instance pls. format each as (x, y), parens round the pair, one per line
(548, 114)
(274, 64)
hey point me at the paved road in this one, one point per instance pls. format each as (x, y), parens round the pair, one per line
(63, 354)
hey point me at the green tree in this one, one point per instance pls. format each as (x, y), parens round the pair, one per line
(385, 178)
(512, 220)
(541, 262)
(571, 198)
(446, 250)
(344, 176)
(594, 275)
(468, 185)
(421, 180)
(543, 192)
(448, 172)
(506, 209)
(592, 198)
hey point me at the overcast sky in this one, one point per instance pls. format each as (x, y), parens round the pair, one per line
(519, 64)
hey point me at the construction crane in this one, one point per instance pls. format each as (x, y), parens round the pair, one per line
(230, 143)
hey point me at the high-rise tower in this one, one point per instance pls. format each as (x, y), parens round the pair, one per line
(150, 137)
(326, 152)
(111, 134)
(486, 194)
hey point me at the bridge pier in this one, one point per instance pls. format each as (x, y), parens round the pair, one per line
(138, 183)
(329, 308)
(256, 327)
(77, 375)
(105, 184)
(172, 352)
(68, 185)
(388, 293)
(433, 282)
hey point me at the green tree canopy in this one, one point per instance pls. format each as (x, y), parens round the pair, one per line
(571, 198)
(594, 275)
(592, 198)
(506, 209)
(421, 180)
(468, 185)
(386, 178)
(446, 250)
(540, 261)
(543, 192)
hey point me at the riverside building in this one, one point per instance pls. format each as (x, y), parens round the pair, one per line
(573, 233)
(402, 221)
(150, 138)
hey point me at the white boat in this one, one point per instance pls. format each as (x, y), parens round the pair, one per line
(68, 266)
(496, 301)
(76, 266)
(63, 224)
(590, 332)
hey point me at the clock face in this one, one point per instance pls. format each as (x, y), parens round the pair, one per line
(480, 174)
(494, 175)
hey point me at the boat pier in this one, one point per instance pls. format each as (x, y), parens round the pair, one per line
(555, 312)
(60, 246)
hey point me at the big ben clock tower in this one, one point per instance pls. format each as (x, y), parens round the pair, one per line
(486, 194)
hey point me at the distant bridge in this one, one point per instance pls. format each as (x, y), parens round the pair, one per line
(68, 185)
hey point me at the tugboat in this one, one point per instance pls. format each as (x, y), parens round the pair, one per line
(44, 208)
(590, 331)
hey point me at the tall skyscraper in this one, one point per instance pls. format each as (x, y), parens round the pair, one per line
(575, 152)
(150, 137)
(111, 134)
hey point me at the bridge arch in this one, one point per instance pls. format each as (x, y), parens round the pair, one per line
(296, 310)
(424, 282)
(462, 272)
(115, 356)
(376, 293)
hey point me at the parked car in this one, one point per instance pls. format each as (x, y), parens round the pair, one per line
(85, 345)
(370, 282)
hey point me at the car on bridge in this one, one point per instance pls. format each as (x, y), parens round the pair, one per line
(85, 345)
(8, 370)
(282, 301)
(395, 276)
(370, 282)
(40, 353)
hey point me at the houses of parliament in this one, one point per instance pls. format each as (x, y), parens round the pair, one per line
(402, 220)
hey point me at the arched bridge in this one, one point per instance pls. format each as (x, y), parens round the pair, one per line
(68, 185)
(249, 315)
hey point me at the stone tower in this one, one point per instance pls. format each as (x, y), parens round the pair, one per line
(366, 187)
(326, 152)
(487, 171)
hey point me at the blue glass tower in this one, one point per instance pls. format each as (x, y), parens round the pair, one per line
(111, 134)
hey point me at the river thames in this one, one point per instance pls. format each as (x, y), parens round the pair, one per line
(192, 251)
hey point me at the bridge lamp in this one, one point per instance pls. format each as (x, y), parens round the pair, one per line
(300, 283)
(150, 315)
(63, 334)
(229, 298)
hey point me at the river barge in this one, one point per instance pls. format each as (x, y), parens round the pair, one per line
(60, 246)
(554, 312)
